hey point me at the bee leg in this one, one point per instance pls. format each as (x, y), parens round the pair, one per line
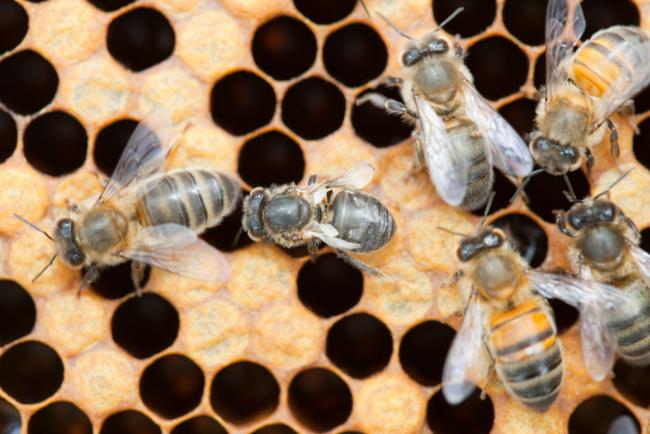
(391, 81)
(630, 223)
(92, 274)
(137, 275)
(590, 161)
(312, 249)
(454, 278)
(520, 186)
(358, 264)
(613, 138)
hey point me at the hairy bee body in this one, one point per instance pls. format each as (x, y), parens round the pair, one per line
(632, 331)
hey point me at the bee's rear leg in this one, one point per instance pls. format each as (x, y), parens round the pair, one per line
(91, 275)
(520, 187)
(392, 81)
(590, 162)
(392, 106)
(613, 139)
(312, 249)
(137, 276)
(359, 265)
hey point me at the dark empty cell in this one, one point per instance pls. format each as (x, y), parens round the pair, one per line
(59, 418)
(242, 102)
(110, 5)
(645, 239)
(476, 16)
(601, 14)
(545, 193)
(492, 59)
(129, 422)
(17, 312)
(423, 351)
(228, 235)
(140, 38)
(354, 54)
(642, 101)
(145, 325)
(473, 415)
(325, 11)
(115, 282)
(55, 143)
(319, 399)
(271, 158)
(277, 428)
(8, 135)
(329, 286)
(10, 422)
(633, 382)
(375, 125)
(28, 82)
(110, 143)
(597, 415)
(313, 108)
(244, 392)
(521, 115)
(526, 235)
(503, 190)
(641, 144)
(539, 75)
(526, 20)
(199, 425)
(13, 24)
(359, 344)
(284, 47)
(564, 314)
(30, 372)
(172, 386)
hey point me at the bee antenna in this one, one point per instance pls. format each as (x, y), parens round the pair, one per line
(486, 211)
(238, 235)
(24, 220)
(613, 184)
(40, 273)
(524, 183)
(440, 228)
(393, 26)
(365, 8)
(571, 195)
(453, 15)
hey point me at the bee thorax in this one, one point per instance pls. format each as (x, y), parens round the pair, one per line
(602, 245)
(496, 275)
(287, 212)
(102, 230)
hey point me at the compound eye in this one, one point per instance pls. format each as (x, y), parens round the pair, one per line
(576, 221)
(609, 212)
(438, 46)
(570, 153)
(542, 144)
(74, 257)
(411, 57)
(492, 240)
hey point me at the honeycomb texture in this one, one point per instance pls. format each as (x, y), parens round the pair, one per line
(285, 345)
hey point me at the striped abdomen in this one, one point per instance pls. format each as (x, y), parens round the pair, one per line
(196, 198)
(610, 54)
(468, 142)
(527, 353)
(632, 330)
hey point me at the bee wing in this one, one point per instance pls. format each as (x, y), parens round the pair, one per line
(623, 424)
(356, 179)
(509, 152)
(329, 235)
(447, 166)
(465, 363)
(178, 249)
(642, 260)
(634, 76)
(565, 24)
(144, 154)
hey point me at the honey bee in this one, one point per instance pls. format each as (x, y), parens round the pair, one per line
(149, 216)
(458, 135)
(334, 212)
(605, 248)
(584, 88)
(508, 324)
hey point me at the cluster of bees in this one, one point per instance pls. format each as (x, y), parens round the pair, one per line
(154, 217)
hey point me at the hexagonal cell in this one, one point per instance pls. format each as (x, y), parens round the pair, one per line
(244, 392)
(13, 24)
(526, 20)
(473, 415)
(564, 314)
(329, 286)
(374, 124)
(476, 17)
(601, 414)
(140, 38)
(504, 190)
(199, 425)
(59, 417)
(242, 102)
(144, 326)
(271, 158)
(325, 11)
(319, 399)
(110, 142)
(641, 145)
(116, 282)
(55, 143)
(423, 351)
(526, 235)
(284, 47)
(276, 428)
(543, 204)
(172, 386)
(129, 422)
(601, 14)
(110, 5)
(8, 135)
(17, 312)
(633, 382)
(30, 372)
(354, 54)
(28, 82)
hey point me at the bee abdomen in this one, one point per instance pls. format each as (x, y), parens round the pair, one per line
(610, 53)
(362, 219)
(528, 355)
(632, 334)
(195, 198)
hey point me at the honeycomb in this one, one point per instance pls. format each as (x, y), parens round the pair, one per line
(285, 345)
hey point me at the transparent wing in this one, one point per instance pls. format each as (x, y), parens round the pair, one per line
(144, 154)
(624, 424)
(632, 78)
(565, 24)
(465, 362)
(447, 166)
(355, 179)
(329, 235)
(178, 249)
(509, 152)
(642, 260)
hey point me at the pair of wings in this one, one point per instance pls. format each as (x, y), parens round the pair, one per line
(449, 165)
(565, 24)
(171, 247)
(466, 363)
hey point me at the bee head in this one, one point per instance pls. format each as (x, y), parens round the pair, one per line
(582, 214)
(471, 246)
(67, 245)
(555, 158)
(415, 53)
(251, 220)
